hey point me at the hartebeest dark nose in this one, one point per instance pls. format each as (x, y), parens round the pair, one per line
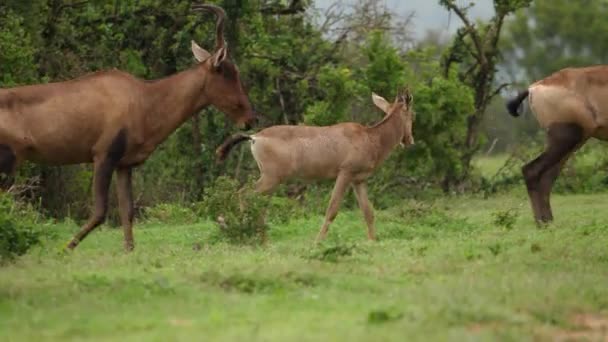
(253, 122)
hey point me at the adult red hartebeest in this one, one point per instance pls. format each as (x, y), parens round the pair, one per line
(115, 121)
(572, 106)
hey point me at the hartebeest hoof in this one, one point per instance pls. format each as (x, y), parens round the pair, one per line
(129, 247)
(67, 248)
(319, 239)
(542, 224)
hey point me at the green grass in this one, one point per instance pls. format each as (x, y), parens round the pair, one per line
(445, 274)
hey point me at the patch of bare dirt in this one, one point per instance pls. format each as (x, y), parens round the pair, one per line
(177, 322)
(589, 327)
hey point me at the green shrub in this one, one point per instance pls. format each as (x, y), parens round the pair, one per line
(505, 218)
(17, 228)
(239, 211)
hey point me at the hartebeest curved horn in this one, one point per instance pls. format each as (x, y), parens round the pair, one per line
(405, 96)
(220, 42)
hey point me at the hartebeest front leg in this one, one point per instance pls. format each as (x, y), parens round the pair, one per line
(366, 208)
(342, 183)
(101, 183)
(124, 191)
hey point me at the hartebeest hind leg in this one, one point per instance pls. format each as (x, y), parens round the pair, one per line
(8, 163)
(342, 183)
(266, 184)
(541, 173)
(366, 208)
(104, 166)
(124, 191)
(101, 184)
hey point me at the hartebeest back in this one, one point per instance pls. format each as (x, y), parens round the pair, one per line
(348, 152)
(572, 106)
(115, 120)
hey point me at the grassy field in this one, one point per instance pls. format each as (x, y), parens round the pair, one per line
(450, 272)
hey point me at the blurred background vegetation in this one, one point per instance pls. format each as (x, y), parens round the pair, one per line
(305, 65)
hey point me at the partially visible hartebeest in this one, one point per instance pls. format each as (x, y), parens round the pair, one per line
(572, 106)
(348, 152)
(115, 121)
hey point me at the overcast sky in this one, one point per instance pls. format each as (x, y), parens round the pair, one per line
(428, 13)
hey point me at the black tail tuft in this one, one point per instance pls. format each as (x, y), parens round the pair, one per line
(226, 147)
(513, 104)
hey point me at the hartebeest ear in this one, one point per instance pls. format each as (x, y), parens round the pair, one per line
(408, 97)
(219, 56)
(409, 100)
(199, 53)
(380, 102)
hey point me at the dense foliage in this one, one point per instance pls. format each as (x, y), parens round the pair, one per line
(18, 231)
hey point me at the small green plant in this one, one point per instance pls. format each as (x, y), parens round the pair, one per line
(17, 228)
(334, 252)
(239, 212)
(495, 248)
(506, 218)
(383, 316)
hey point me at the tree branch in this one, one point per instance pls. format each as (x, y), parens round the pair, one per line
(470, 29)
(295, 7)
(72, 5)
(497, 90)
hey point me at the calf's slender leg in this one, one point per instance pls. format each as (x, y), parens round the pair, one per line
(342, 183)
(540, 174)
(124, 191)
(366, 208)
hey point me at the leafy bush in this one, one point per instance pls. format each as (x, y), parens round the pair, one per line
(239, 211)
(17, 228)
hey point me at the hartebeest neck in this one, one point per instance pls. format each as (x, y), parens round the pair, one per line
(173, 100)
(389, 132)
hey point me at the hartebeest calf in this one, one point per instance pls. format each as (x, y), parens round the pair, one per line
(115, 121)
(348, 152)
(572, 106)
